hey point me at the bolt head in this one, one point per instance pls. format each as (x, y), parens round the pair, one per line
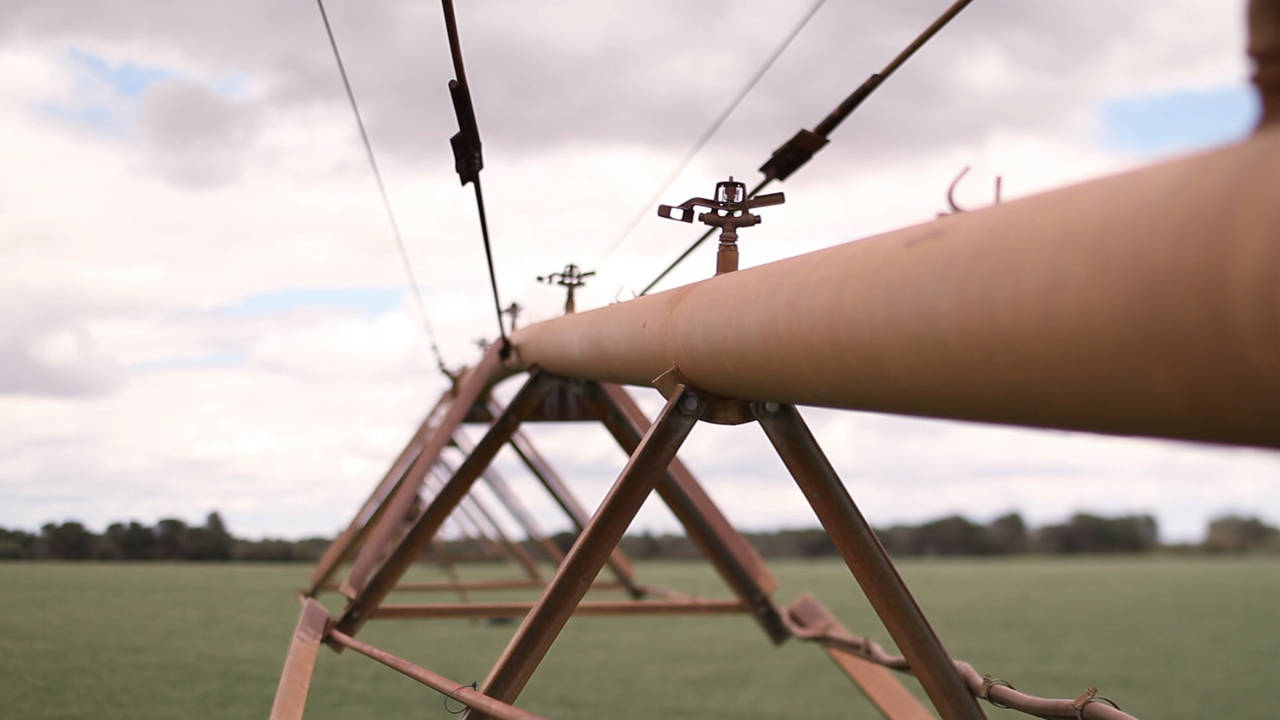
(690, 404)
(772, 407)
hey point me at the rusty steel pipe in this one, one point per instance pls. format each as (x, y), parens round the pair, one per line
(692, 606)
(592, 549)
(449, 688)
(1146, 303)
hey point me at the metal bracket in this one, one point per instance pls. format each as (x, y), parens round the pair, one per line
(715, 409)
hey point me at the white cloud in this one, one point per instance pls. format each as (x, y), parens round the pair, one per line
(129, 394)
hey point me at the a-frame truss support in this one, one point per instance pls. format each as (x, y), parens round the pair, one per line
(389, 547)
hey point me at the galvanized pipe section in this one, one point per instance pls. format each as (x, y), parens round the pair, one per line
(1142, 304)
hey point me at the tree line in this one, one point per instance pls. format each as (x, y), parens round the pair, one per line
(168, 539)
(1005, 535)
(173, 539)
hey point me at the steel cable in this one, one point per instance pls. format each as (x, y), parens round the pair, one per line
(797, 151)
(382, 189)
(711, 130)
(467, 156)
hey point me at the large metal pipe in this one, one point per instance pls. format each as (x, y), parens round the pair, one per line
(1146, 303)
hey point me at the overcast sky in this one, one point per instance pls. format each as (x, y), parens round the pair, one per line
(203, 307)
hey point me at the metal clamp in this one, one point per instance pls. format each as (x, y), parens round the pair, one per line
(1090, 695)
(984, 692)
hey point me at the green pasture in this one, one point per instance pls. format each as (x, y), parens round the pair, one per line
(1167, 638)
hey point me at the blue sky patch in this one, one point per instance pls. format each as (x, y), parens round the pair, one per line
(1178, 121)
(105, 95)
(127, 79)
(366, 300)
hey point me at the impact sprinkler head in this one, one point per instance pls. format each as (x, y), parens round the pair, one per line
(571, 278)
(729, 211)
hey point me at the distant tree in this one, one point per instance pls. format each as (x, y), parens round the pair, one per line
(1008, 534)
(564, 540)
(139, 541)
(110, 545)
(310, 549)
(1086, 533)
(16, 545)
(646, 546)
(266, 550)
(68, 541)
(170, 534)
(899, 540)
(953, 535)
(211, 542)
(1233, 533)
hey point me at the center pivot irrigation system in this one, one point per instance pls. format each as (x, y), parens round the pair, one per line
(1142, 304)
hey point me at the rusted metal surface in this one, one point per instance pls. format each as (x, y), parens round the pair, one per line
(469, 389)
(300, 663)
(468, 523)
(521, 556)
(693, 606)
(618, 563)
(513, 505)
(512, 548)
(1264, 49)
(868, 561)
(345, 545)
(729, 552)
(489, 585)
(809, 620)
(428, 524)
(1139, 304)
(583, 562)
(441, 684)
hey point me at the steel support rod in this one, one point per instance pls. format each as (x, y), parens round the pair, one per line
(868, 561)
(728, 551)
(469, 389)
(428, 524)
(810, 620)
(695, 606)
(588, 555)
(725, 547)
(347, 542)
(299, 664)
(512, 503)
(514, 549)
(441, 684)
(618, 563)
(465, 518)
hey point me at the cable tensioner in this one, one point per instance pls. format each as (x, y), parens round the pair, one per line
(728, 211)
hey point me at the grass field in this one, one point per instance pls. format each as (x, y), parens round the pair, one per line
(1167, 638)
